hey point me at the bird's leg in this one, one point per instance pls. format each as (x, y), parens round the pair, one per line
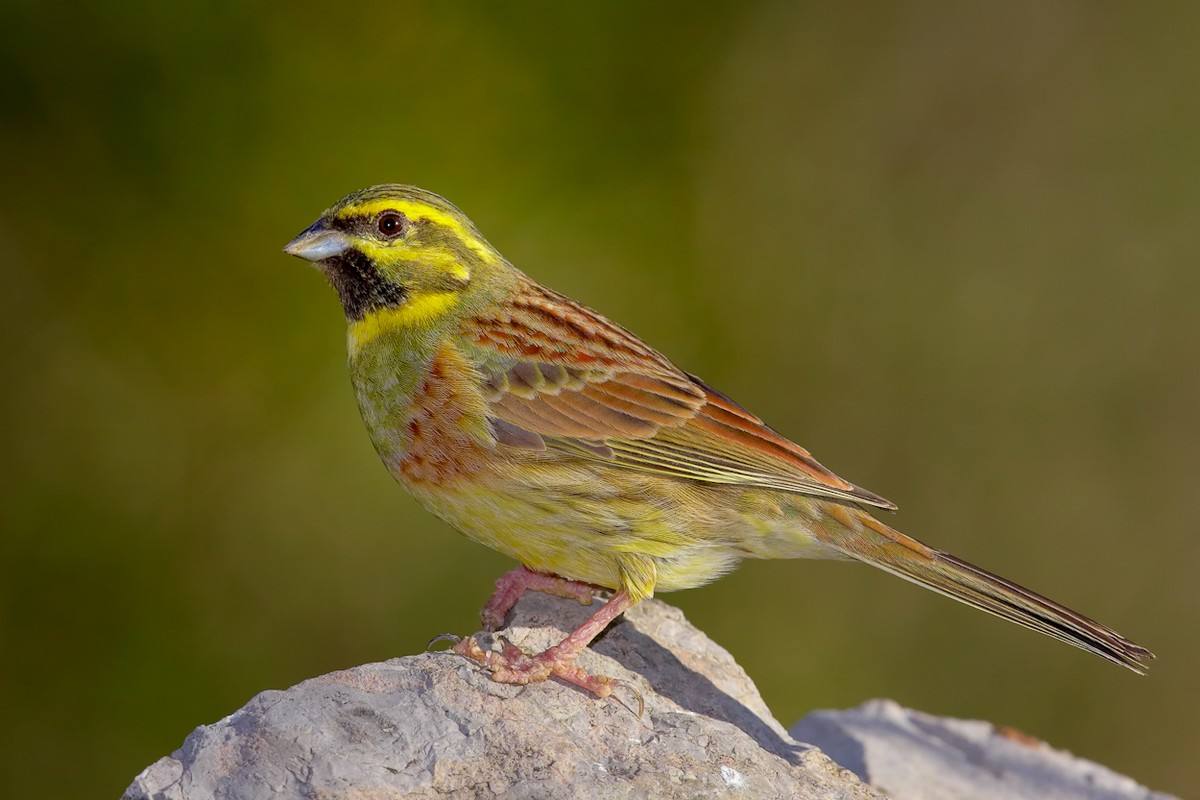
(513, 584)
(513, 665)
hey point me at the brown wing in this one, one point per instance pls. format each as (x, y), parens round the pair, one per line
(564, 377)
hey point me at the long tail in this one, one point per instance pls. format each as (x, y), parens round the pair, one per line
(867, 539)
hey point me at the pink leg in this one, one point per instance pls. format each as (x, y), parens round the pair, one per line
(512, 665)
(512, 585)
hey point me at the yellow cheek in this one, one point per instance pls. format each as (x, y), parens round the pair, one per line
(439, 260)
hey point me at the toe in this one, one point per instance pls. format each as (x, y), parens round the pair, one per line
(469, 648)
(512, 654)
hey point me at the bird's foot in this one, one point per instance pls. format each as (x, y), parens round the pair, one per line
(512, 585)
(513, 665)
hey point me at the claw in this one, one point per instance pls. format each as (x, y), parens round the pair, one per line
(641, 701)
(453, 638)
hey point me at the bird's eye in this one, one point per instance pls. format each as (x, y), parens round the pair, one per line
(390, 224)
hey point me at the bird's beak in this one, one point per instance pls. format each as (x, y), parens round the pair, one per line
(317, 243)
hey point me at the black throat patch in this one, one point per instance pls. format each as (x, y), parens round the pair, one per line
(359, 285)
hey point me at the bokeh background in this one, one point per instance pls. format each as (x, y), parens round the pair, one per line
(951, 248)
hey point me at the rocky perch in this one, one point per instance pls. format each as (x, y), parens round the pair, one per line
(433, 725)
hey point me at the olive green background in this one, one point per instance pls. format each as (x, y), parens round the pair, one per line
(952, 249)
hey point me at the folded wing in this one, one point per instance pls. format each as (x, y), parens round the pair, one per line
(562, 377)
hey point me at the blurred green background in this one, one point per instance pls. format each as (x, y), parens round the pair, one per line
(951, 248)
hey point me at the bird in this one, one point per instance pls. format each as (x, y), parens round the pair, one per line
(539, 428)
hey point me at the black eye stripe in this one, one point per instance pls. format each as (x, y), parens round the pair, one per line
(348, 224)
(363, 224)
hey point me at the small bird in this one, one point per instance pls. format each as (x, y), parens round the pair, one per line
(540, 429)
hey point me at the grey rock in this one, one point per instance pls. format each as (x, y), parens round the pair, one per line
(912, 755)
(434, 725)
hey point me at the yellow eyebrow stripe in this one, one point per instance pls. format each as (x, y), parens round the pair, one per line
(417, 210)
(418, 310)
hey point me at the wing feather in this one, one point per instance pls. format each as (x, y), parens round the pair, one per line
(562, 377)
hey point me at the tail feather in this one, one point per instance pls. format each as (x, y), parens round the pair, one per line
(907, 558)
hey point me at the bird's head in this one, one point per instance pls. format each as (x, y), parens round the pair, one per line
(397, 255)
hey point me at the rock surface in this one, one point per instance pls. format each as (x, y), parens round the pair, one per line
(911, 755)
(433, 725)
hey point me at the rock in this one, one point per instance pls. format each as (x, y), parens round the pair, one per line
(912, 755)
(434, 725)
